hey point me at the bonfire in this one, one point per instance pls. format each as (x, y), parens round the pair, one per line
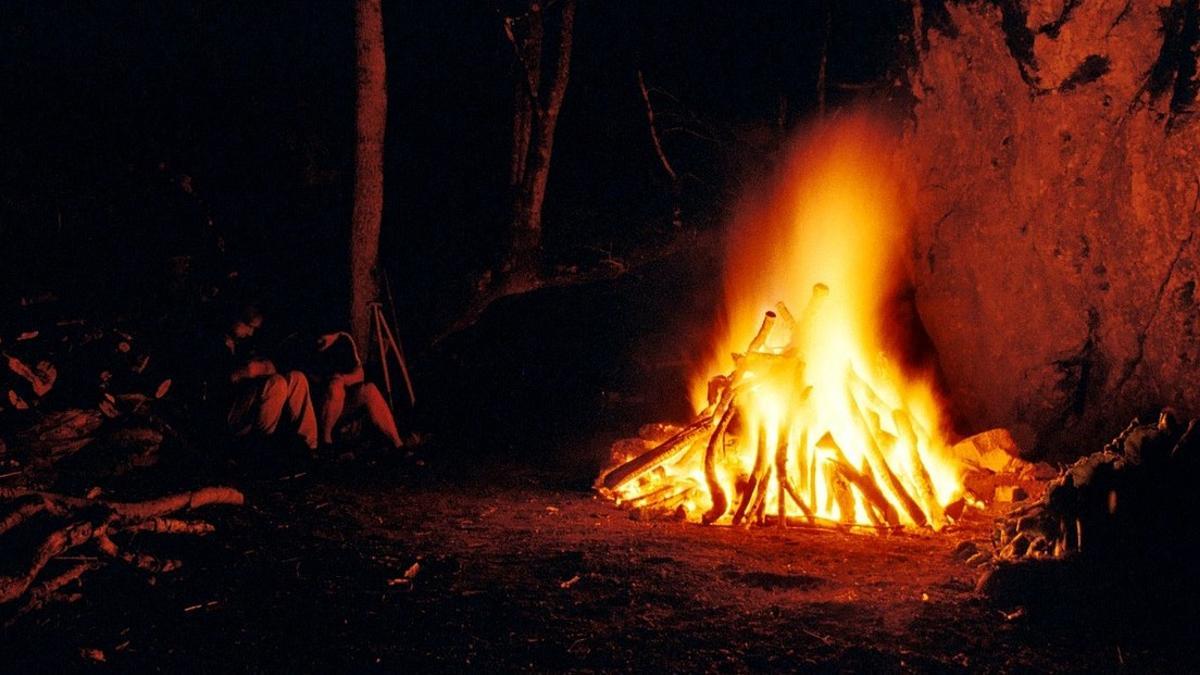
(811, 420)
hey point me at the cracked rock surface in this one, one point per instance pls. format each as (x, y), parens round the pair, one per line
(1054, 254)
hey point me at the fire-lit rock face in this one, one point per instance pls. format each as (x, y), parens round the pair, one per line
(802, 411)
(1057, 168)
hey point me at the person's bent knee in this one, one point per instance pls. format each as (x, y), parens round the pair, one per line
(297, 380)
(275, 386)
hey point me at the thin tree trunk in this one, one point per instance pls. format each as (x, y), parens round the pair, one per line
(370, 123)
(525, 239)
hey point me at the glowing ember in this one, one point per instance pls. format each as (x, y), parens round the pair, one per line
(809, 419)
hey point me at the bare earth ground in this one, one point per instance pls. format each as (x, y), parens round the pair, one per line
(523, 570)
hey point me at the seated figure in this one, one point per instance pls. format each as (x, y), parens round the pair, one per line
(343, 388)
(259, 400)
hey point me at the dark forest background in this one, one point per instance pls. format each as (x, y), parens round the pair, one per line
(129, 125)
(151, 150)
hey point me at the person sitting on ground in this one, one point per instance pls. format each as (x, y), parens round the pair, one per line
(259, 400)
(341, 385)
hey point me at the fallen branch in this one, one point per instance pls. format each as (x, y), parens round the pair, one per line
(171, 526)
(59, 542)
(93, 520)
(47, 591)
(141, 561)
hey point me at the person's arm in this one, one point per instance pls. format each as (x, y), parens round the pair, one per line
(253, 368)
(353, 377)
(355, 374)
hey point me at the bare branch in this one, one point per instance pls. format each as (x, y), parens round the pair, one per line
(658, 149)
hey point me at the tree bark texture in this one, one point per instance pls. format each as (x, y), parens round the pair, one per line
(537, 102)
(1058, 180)
(370, 123)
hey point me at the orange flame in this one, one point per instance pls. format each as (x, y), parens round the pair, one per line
(822, 413)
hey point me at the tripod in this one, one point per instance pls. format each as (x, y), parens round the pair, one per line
(385, 343)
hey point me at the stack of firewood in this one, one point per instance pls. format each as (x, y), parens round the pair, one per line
(93, 531)
(804, 455)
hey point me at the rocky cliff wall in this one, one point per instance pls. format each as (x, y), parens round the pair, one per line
(1058, 182)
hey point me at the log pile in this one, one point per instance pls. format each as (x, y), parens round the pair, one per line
(872, 473)
(81, 403)
(91, 532)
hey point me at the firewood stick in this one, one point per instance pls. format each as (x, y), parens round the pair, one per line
(717, 441)
(815, 301)
(659, 494)
(869, 489)
(43, 591)
(812, 471)
(761, 509)
(22, 513)
(171, 526)
(142, 561)
(787, 319)
(781, 502)
(879, 463)
(754, 514)
(781, 475)
(753, 485)
(764, 331)
(48, 590)
(844, 498)
(877, 402)
(138, 510)
(878, 509)
(59, 542)
(820, 524)
(668, 501)
(785, 483)
(638, 500)
(921, 477)
(179, 502)
(664, 452)
(675, 500)
(763, 362)
(827, 474)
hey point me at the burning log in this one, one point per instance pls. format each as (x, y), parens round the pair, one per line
(866, 485)
(879, 464)
(785, 484)
(715, 491)
(764, 331)
(842, 496)
(668, 450)
(921, 477)
(756, 483)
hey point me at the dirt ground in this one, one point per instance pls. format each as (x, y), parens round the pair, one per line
(523, 569)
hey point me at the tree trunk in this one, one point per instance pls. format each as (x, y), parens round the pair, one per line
(370, 122)
(534, 120)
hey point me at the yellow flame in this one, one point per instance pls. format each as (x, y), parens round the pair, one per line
(836, 215)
